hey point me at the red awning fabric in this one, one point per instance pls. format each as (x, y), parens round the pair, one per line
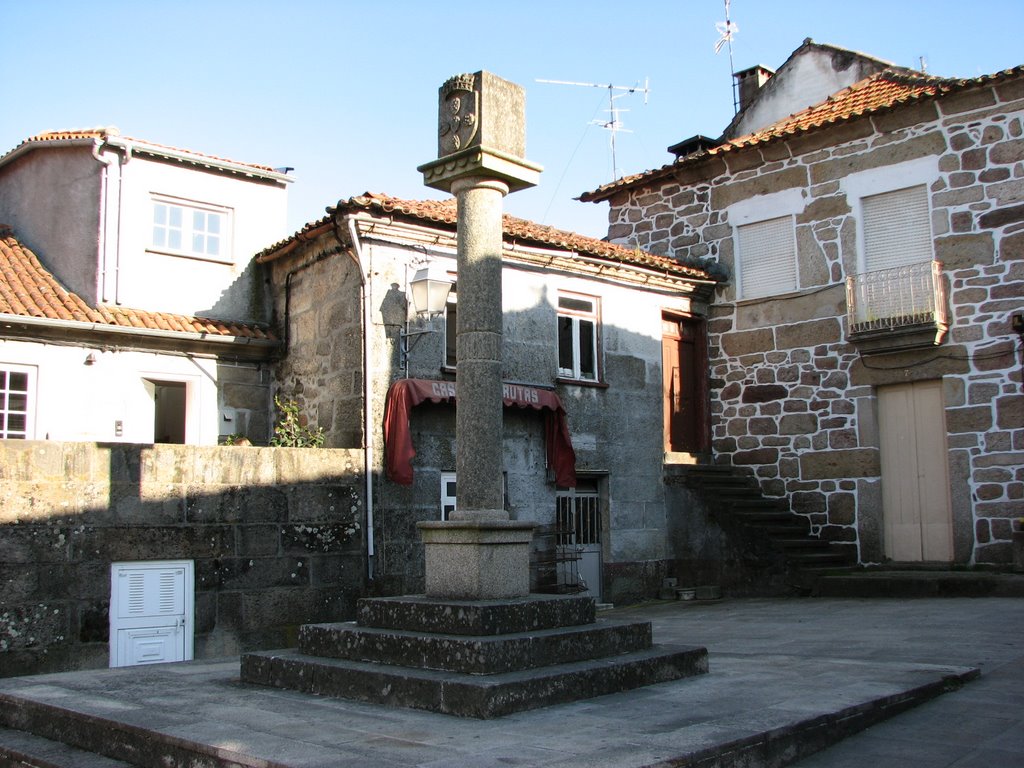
(405, 394)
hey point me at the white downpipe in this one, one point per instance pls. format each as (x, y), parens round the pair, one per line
(368, 456)
(101, 235)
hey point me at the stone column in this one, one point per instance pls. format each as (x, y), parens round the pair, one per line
(479, 553)
(478, 414)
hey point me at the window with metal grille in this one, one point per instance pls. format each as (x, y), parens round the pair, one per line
(766, 253)
(17, 384)
(578, 515)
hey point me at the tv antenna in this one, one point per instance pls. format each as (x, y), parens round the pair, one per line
(613, 125)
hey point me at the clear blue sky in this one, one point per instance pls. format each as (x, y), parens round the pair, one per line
(346, 92)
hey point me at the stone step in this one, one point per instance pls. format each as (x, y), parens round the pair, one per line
(20, 749)
(919, 583)
(58, 735)
(479, 696)
(417, 613)
(817, 559)
(803, 544)
(478, 655)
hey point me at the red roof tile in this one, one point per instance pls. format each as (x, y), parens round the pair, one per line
(27, 289)
(886, 90)
(522, 231)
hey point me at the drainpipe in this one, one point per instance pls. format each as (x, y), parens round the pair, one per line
(101, 235)
(97, 148)
(368, 457)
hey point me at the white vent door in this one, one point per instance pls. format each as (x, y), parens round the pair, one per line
(151, 608)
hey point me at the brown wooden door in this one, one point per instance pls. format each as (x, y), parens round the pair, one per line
(682, 345)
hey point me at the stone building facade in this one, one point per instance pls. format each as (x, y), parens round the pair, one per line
(341, 291)
(817, 391)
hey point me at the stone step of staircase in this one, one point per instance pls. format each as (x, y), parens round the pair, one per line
(465, 695)
(477, 655)
(20, 749)
(474, 658)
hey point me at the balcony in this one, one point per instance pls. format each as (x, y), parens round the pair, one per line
(899, 308)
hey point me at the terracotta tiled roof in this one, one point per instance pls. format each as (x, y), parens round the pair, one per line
(113, 134)
(443, 214)
(884, 91)
(27, 289)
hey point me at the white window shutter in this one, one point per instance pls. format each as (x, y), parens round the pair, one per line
(767, 255)
(897, 228)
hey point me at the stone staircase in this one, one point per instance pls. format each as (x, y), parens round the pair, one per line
(734, 499)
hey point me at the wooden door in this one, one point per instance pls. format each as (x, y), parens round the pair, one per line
(915, 472)
(682, 349)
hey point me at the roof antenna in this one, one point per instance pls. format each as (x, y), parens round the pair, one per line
(924, 63)
(726, 31)
(613, 125)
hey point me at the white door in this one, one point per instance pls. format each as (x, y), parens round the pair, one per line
(151, 611)
(915, 472)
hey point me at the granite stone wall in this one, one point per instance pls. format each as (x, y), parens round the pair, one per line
(792, 397)
(276, 536)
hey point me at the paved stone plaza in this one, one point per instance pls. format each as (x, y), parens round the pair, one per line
(781, 673)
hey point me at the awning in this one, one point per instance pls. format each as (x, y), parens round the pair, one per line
(405, 394)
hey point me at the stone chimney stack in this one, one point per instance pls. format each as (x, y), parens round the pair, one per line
(750, 81)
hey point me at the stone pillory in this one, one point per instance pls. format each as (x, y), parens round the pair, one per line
(481, 132)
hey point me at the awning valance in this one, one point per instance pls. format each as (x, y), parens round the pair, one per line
(405, 394)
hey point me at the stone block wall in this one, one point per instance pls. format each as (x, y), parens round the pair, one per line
(792, 397)
(276, 536)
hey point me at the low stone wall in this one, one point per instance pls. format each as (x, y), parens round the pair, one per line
(276, 535)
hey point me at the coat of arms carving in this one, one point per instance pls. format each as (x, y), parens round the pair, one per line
(458, 115)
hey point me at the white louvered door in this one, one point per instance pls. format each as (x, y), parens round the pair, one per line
(151, 607)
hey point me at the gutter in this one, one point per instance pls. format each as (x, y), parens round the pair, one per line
(217, 340)
(150, 149)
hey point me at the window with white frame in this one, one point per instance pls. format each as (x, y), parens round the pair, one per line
(448, 495)
(577, 337)
(17, 385)
(450, 319)
(190, 230)
(767, 258)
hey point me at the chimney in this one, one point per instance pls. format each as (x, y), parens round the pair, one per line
(749, 83)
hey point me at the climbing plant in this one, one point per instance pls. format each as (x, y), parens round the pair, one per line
(290, 432)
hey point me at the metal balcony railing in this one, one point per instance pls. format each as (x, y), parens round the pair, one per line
(892, 298)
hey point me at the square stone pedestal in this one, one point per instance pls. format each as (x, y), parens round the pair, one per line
(468, 560)
(474, 658)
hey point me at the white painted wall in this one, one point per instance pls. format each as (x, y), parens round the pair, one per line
(809, 77)
(138, 275)
(75, 401)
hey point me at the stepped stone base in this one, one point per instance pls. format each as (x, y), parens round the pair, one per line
(473, 658)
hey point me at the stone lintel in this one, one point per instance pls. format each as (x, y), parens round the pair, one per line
(483, 163)
(477, 560)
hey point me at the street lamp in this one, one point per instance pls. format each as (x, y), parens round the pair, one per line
(428, 294)
(429, 288)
